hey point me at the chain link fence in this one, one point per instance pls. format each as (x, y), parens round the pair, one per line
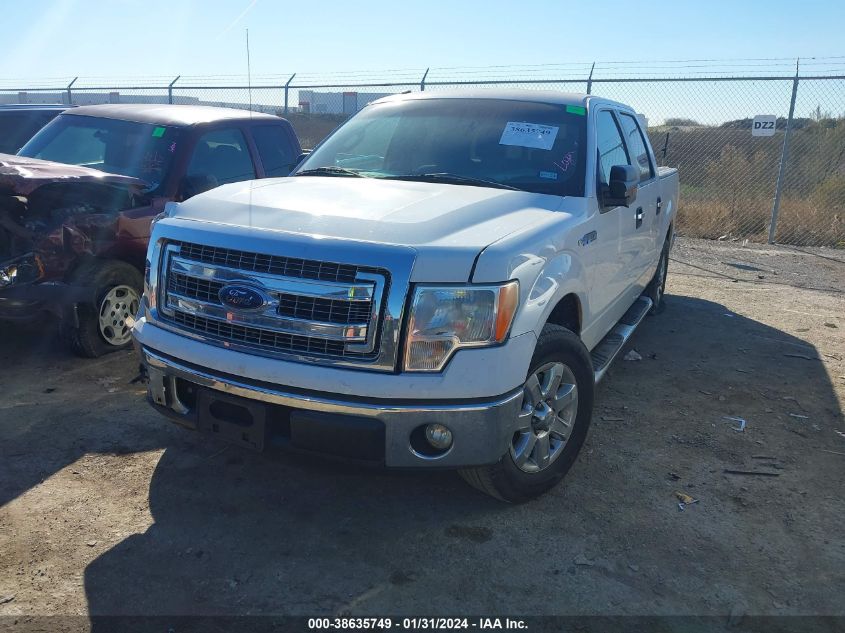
(730, 179)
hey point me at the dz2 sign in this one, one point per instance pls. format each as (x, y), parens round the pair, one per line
(764, 125)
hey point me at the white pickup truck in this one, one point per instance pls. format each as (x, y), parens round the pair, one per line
(439, 284)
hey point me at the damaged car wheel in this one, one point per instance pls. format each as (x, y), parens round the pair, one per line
(106, 325)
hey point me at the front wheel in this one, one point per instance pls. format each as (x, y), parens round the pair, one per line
(557, 405)
(105, 326)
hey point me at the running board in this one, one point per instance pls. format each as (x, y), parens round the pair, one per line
(607, 349)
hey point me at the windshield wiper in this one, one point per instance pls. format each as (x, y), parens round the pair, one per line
(454, 179)
(330, 171)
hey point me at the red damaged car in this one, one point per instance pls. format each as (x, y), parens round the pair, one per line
(77, 201)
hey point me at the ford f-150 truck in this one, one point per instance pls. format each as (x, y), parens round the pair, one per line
(77, 201)
(439, 284)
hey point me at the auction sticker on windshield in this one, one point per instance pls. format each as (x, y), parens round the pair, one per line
(529, 135)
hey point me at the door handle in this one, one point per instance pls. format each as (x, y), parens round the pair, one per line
(659, 206)
(639, 216)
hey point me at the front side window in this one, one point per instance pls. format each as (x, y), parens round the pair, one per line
(636, 145)
(221, 156)
(140, 150)
(536, 147)
(610, 145)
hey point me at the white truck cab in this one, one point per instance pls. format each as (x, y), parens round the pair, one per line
(440, 283)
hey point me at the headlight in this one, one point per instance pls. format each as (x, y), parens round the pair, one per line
(447, 318)
(24, 270)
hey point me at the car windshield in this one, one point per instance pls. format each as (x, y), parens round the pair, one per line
(140, 150)
(537, 147)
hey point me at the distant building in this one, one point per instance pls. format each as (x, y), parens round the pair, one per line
(313, 102)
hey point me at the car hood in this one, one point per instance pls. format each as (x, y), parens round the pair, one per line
(21, 176)
(447, 224)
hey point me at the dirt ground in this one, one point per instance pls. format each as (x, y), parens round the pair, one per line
(107, 508)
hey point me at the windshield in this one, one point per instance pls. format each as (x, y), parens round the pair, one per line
(535, 147)
(141, 150)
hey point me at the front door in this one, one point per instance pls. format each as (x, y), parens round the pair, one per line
(608, 273)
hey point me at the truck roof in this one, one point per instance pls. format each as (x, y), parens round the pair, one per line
(557, 97)
(167, 114)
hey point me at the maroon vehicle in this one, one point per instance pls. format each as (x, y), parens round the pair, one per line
(77, 201)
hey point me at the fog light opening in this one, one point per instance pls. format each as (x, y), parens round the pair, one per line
(431, 440)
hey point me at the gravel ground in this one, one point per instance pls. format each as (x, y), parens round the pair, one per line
(106, 508)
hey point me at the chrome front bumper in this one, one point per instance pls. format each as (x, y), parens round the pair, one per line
(482, 431)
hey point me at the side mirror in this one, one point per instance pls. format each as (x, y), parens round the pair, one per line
(192, 185)
(298, 161)
(624, 183)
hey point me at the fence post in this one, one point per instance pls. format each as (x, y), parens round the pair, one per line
(784, 157)
(69, 97)
(422, 81)
(170, 90)
(287, 86)
(590, 80)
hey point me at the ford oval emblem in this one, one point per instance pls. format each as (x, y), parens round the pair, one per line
(241, 297)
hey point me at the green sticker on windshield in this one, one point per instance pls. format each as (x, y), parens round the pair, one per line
(576, 110)
(158, 132)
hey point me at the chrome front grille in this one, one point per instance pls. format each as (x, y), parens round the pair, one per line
(272, 264)
(194, 288)
(260, 337)
(308, 308)
(324, 310)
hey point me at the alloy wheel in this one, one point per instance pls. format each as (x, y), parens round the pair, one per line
(547, 417)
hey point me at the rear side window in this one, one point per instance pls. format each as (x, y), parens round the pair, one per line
(222, 155)
(610, 145)
(636, 146)
(274, 149)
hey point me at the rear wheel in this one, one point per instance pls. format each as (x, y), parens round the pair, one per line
(104, 326)
(557, 404)
(657, 286)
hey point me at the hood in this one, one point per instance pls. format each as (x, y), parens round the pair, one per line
(446, 224)
(53, 208)
(21, 176)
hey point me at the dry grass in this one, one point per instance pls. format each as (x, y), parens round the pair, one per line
(313, 128)
(800, 221)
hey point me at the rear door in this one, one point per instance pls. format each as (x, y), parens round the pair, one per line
(637, 249)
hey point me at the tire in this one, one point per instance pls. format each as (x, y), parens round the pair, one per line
(656, 288)
(118, 285)
(510, 482)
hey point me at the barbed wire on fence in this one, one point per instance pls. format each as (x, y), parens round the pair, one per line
(730, 179)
